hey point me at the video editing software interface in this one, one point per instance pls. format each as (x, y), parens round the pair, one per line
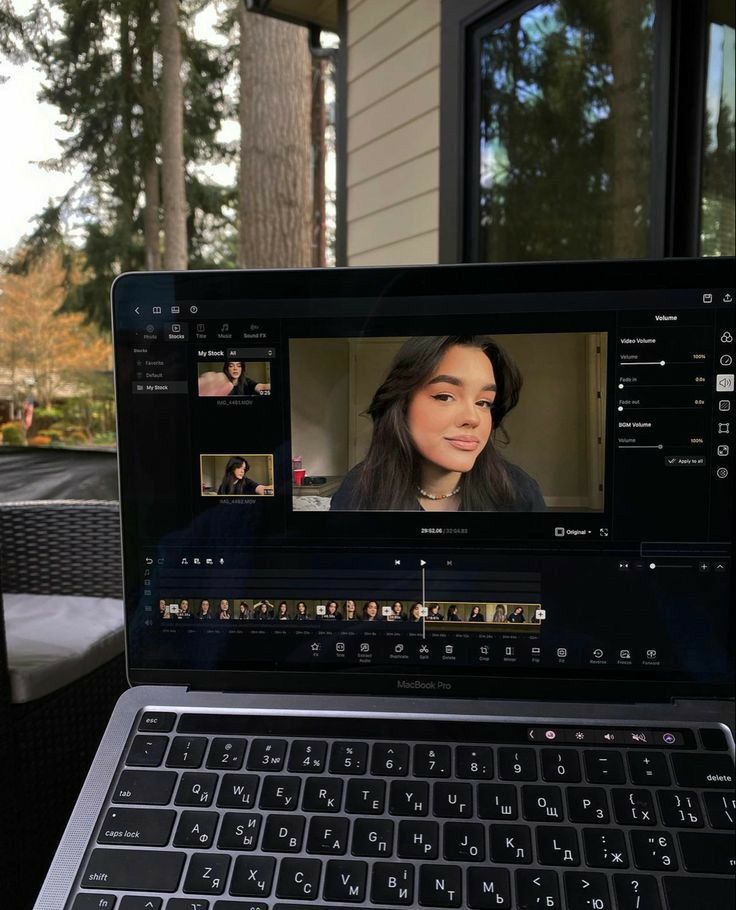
(340, 485)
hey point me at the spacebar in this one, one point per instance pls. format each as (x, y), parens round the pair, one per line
(134, 870)
(310, 907)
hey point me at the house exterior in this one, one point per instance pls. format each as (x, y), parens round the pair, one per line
(439, 148)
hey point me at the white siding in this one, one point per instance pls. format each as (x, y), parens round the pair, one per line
(393, 131)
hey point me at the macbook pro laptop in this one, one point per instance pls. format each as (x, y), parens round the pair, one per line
(429, 593)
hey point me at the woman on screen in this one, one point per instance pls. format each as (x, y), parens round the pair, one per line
(350, 610)
(437, 418)
(231, 380)
(370, 611)
(235, 482)
(301, 611)
(415, 614)
(242, 384)
(476, 614)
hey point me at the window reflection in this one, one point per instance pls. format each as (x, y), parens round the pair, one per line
(565, 132)
(717, 214)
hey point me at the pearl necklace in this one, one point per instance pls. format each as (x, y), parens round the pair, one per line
(435, 497)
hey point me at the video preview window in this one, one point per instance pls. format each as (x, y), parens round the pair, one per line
(482, 423)
(236, 475)
(233, 378)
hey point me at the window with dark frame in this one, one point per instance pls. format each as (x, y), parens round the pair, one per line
(717, 198)
(566, 129)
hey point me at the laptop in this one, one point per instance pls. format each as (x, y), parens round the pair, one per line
(429, 592)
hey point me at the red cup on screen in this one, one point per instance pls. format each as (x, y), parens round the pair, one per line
(299, 475)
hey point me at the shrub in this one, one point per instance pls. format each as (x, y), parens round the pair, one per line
(44, 417)
(68, 433)
(13, 434)
(39, 440)
(104, 439)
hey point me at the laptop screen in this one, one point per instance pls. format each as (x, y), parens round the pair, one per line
(416, 477)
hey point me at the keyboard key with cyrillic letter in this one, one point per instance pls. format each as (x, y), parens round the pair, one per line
(207, 873)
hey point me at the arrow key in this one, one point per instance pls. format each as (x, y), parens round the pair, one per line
(587, 889)
(140, 902)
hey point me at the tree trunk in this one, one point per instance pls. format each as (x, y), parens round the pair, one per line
(151, 176)
(172, 139)
(275, 198)
(319, 155)
(151, 219)
(126, 175)
(626, 174)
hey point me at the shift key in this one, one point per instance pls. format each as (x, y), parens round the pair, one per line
(134, 870)
(706, 770)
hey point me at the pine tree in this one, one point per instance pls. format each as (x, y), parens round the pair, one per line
(101, 72)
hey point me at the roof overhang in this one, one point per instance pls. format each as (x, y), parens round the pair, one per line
(321, 14)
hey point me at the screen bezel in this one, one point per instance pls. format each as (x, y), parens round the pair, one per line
(133, 289)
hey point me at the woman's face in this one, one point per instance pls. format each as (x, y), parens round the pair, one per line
(302, 608)
(205, 607)
(397, 608)
(184, 605)
(239, 471)
(234, 370)
(449, 418)
(224, 605)
(416, 610)
(371, 608)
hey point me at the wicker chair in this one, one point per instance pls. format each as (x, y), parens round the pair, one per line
(54, 548)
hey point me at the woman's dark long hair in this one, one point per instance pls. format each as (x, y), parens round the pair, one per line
(230, 484)
(239, 383)
(390, 469)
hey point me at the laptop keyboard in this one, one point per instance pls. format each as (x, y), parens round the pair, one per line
(218, 812)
